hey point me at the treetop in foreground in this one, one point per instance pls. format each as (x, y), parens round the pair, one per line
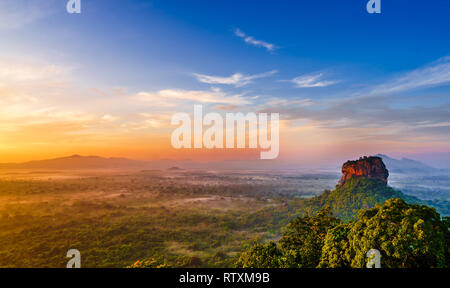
(407, 236)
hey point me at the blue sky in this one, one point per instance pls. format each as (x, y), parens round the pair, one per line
(176, 38)
(320, 55)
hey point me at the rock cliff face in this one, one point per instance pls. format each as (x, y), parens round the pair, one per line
(370, 167)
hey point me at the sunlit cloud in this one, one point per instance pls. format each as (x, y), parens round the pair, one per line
(24, 85)
(170, 97)
(33, 109)
(108, 118)
(252, 41)
(35, 112)
(368, 114)
(311, 81)
(236, 79)
(19, 71)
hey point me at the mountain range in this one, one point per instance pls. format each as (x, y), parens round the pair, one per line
(77, 162)
(407, 166)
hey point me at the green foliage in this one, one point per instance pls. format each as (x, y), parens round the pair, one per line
(300, 246)
(304, 237)
(356, 194)
(446, 221)
(189, 262)
(262, 256)
(115, 220)
(151, 263)
(408, 236)
(333, 254)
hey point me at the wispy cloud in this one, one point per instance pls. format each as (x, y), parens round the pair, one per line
(169, 97)
(15, 14)
(365, 112)
(311, 81)
(281, 102)
(12, 71)
(27, 82)
(252, 41)
(434, 74)
(148, 121)
(236, 79)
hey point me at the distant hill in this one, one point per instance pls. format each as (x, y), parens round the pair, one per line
(79, 162)
(175, 169)
(407, 166)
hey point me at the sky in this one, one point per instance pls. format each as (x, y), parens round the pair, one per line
(107, 81)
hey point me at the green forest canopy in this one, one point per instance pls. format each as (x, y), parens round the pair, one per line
(407, 235)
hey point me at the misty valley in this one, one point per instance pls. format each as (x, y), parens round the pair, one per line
(174, 217)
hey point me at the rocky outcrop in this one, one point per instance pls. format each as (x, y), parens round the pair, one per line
(370, 167)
